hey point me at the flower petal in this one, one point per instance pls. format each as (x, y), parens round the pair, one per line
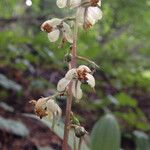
(93, 15)
(54, 35)
(53, 108)
(62, 84)
(58, 112)
(91, 80)
(76, 89)
(41, 103)
(83, 67)
(51, 105)
(67, 32)
(71, 74)
(53, 22)
(99, 3)
(61, 3)
(50, 115)
(74, 3)
(80, 16)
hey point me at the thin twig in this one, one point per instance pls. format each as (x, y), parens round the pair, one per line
(55, 95)
(68, 19)
(89, 61)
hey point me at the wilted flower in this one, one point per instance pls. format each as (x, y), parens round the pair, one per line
(77, 76)
(89, 13)
(57, 27)
(46, 107)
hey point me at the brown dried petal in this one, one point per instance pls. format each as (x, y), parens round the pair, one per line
(33, 102)
(46, 27)
(94, 3)
(40, 107)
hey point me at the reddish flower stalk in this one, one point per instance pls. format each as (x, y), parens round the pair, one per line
(72, 64)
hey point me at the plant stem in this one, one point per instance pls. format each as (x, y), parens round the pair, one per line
(75, 142)
(88, 60)
(72, 64)
(80, 143)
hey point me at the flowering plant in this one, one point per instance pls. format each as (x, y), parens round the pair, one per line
(86, 15)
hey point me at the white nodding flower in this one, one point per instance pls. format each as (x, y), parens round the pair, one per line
(56, 28)
(79, 75)
(68, 3)
(87, 15)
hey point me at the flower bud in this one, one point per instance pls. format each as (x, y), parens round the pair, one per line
(68, 57)
(80, 131)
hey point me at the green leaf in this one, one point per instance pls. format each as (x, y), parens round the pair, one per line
(59, 130)
(13, 126)
(9, 84)
(106, 134)
(141, 140)
(6, 107)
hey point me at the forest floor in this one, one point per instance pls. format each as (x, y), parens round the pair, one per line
(40, 136)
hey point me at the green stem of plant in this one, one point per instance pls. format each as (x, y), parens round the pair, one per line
(53, 123)
(75, 142)
(69, 19)
(72, 64)
(54, 96)
(80, 143)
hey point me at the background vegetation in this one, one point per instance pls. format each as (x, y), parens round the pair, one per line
(30, 67)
